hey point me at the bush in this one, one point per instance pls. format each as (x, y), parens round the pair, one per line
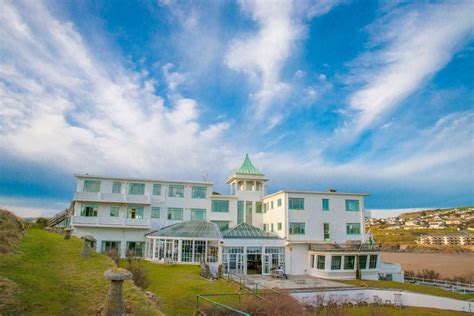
(140, 273)
(275, 304)
(40, 223)
(114, 254)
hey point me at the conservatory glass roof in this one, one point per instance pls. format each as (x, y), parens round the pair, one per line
(189, 229)
(245, 230)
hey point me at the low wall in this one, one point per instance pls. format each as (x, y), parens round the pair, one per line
(408, 298)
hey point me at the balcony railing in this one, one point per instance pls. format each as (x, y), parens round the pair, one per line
(110, 221)
(111, 197)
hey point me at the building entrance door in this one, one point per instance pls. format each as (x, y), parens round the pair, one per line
(254, 264)
(266, 264)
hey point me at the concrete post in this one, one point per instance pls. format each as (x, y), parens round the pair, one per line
(114, 303)
(67, 233)
(86, 249)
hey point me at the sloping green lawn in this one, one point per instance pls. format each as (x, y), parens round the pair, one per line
(409, 287)
(177, 286)
(53, 279)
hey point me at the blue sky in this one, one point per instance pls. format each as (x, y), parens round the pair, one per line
(361, 96)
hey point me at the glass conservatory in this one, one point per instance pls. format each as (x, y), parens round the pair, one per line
(186, 242)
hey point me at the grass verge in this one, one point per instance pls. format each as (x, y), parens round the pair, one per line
(48, 276)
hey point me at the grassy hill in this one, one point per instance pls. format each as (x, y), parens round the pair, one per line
(47, 276)
(11, 230)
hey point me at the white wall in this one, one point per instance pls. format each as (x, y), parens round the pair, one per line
(407, 298)
(337, 217)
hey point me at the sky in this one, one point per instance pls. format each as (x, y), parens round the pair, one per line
(360, 96)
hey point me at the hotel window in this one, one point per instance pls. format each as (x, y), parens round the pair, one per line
(115, 211)
(89, 210)
(136, 247)
(135, 212)
(220, 206)
(117, 187)
(265, 207)
(91, 186)
(353, 229)
(109, 245)
(155, 212)
(336, 262)
(325, 204)
(136, 188)
(362, 262)
(349, 262)
(312, 261)
(297, 228)
(198, 214)
(296, 203)
(223, 225)
(176, 191)
(373, 262)
(272, 228)
(198, 192)
(258, 207)
(321, 262)
(352, 205)
(265, 227)
(175, 214)
(187, 251)
(271, 205)
(327, 235)
(279, 202)
(156, 189)
(279, 226)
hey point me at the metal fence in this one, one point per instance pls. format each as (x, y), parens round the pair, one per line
(465, 288)
(213, 304)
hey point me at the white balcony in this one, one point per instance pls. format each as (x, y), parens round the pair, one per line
(135, 222)
(141, 199)
(87, 196)
(107, 221)
(111, 221)
(111, 197)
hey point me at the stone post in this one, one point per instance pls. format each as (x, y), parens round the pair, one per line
(67, 233)
(114, 303)
(86, 250)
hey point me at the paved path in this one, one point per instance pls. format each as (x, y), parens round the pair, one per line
(294, 282)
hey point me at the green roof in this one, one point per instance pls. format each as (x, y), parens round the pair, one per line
(189, 229)
(245, 230)
(248, 167)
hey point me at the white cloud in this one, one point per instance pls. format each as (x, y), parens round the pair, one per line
(409, 46)
(61, 105)
(262, 55)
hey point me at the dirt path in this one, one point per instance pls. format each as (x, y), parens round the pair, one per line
(446, 264)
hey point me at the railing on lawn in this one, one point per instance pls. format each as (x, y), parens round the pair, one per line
(259, 291)
(465, 288)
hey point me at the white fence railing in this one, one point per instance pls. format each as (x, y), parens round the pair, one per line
(466, 288)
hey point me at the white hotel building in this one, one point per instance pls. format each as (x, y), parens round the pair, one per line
(247, 231)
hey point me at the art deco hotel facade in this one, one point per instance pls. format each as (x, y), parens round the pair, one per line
(247, 231)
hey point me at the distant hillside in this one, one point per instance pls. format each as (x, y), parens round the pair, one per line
(432, 211)
(11, 230)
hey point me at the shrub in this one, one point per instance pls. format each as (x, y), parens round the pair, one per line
(114, 254)
(275, 304)
(140, 273)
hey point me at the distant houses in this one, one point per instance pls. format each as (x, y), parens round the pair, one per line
(448, 240)
(461, 219)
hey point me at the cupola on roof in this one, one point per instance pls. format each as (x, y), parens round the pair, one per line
(248, 168)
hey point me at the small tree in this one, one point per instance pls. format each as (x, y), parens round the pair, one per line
(114, 254)
(140, 273)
